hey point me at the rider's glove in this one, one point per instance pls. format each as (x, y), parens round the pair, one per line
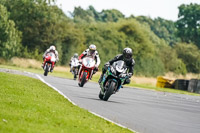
(80, 61)
(107, 65)
(96, 66)
(122, 75)
(129, 75)
(128, 81)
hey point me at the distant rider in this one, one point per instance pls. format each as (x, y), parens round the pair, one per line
(92, 52)
(73, 58)
(127, 58)
(49, 50)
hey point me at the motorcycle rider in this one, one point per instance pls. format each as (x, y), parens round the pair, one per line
(91, 51)
(127, 58)
(50, 49)
(73, 58)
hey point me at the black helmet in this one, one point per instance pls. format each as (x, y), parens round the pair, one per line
(127, 54)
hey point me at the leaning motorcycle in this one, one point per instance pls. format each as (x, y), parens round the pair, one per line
(113, 79)
(75, 64)
(86, 70)
(49, 62)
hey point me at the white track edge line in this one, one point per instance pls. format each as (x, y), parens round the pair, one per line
(77, 105)
(55, 89)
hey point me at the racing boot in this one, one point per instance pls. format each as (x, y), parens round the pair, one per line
(42, 65)
(51, 70)
(71, 68)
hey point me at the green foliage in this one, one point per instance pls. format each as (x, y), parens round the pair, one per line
(149, 66)
(112, 38)
(91, 15)
(188, 23)
(111, 15)
(137, 38)
(152, 40)
(80, 15)
(190, 55)
(170, 59)
(31, 54)
(164, 29)
(9, 35)
(105, 37)
(72, 43)
(41, 25)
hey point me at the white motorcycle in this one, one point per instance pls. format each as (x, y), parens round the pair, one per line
(74, 67)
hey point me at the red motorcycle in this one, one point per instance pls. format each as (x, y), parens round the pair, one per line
(49, 62)
(86, 70)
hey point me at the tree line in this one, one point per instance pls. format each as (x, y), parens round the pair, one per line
(29, 27)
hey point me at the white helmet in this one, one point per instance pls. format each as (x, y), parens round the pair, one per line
(52, 48)
(92, 49)
(75, 55)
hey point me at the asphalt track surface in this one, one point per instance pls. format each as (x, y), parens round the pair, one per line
(141, 110)
(144, 111)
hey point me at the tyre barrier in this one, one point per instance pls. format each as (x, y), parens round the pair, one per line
(194, 86)
(181, 84)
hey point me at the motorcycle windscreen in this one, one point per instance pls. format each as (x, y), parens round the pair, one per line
(53, 57)
(120, 66)
(88, 62)
(75, 62)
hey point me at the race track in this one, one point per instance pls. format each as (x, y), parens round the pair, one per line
(141, 110)
(144, 111)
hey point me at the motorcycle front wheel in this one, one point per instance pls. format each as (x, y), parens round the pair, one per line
(46, 69)
(109, 91)
(100, 95)
(75, 74)
(83, 79)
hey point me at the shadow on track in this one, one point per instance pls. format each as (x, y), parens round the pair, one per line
(97, 99)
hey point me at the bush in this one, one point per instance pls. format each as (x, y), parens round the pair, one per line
(190, 55)
(9, 36)
(151, 66)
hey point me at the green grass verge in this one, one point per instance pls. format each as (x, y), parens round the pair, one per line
(28, 105)
(66, 74)
(63, 74)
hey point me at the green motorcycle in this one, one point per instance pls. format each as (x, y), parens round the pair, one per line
(113, 79)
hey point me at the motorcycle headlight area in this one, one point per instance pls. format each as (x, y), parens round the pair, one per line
(88, 62)
(113, 70)
(122, 75)
(53, 59)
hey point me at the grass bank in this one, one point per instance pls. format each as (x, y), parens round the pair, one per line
(28, 105)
